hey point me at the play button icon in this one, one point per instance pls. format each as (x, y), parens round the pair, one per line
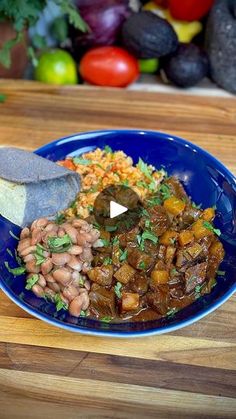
(117, 208)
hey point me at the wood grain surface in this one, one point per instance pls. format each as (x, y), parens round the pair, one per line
(50, 373)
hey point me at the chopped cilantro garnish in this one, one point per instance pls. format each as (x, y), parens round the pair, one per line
(106, 319)
(30, 282)
(173, 271)
(145, 169)
(221, 273)
(210, 227)
(90, 208)
(125, 182)
(60, 304)
(18, 259)
(124, 255)
(165, 191)
(107, 261)
(96, 225)
(59, 244)
(81, 281)
(163, 172)
(115, 241)
(144, 212)
(83, 313)
(147, 223)
(111, 228)
(2, 97)
(13, 235)
(142, 265)
(80, 160)
(60, 219)
(148, 235)
(73, 204)
(171, 312)
(105, 242)
(194, 205)
(108, 149)
(155, 200)
(10, 253)
(173, 240)
(39, 254)
(15, 271)
(117, 289)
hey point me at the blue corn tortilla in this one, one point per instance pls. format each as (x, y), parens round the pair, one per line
(32, 187)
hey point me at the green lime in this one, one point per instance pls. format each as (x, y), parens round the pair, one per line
(148, 65)
(56, 66)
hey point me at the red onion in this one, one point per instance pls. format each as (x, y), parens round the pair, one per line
(105, 18)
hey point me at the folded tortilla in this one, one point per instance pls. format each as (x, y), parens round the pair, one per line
(32, 187)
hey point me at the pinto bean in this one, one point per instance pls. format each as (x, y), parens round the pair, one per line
(40, 223)
(38, 290)
(62, 275)
(87, 285)
(85, 301)
(49, 278)
(32, 267)
(51, 227)
(75, 250)
(42, 281)
(46, 267)
(23, 244)
(76, 276)
(74, 263)
(60, 259)
(79, 223)
(95, 234)
(66, 301)
(75, 306)
(86, 267)
(70, 292)
(61, 232)
(36, 236)
(49, 292)
(29, 258)
(71, 231)
(86, 256)
(54, 286)
(27, 251)
(24, 233)
(81, 239)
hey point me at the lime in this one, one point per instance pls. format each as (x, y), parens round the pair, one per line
(56, 66)
(148, 65)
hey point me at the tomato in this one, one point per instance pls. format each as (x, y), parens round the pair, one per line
(109, 66)
(68, 164)
(189, 9)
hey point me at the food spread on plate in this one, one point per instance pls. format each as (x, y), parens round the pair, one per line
(163, 263)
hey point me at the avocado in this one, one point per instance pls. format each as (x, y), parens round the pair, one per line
(187, 66)
(147, 35)
(221, 44)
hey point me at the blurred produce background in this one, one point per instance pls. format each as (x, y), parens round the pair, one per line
(112, 42)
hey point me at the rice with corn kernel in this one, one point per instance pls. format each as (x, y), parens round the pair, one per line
(100, 168)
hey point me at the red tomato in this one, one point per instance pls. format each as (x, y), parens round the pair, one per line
(189, 9)
(109, 66)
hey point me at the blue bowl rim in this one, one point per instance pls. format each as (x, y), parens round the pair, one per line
(164, 329)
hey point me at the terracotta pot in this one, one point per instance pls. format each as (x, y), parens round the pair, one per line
(18, 54)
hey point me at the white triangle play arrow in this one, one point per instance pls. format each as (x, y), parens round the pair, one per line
(116, 209)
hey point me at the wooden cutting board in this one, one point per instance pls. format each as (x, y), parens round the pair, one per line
(47, 372)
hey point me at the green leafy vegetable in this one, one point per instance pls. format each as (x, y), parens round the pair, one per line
(60, 219)
(210, 227)
(31, 281)
(171, 312)
(194, 205)
(125, 182)
(124, 255)
(59, 244)
(155, 200)
(15, 271)
(73, 204)
(142, 265)
(13, 235)
(108, 149)
(174, 271)
(83, 313)
(5, 52)
(147, 223)
(111, 228)
(105, 242)
(165, 191)
(2, 98)
(18, 259)
(117, 289)
(148, 235)
(81, 281)
(145, 169)
(39, 256)
(80, 160)
(106, 319)
(67, 7)
(115, 241)
(60, 304)
(221, 273)
(107, 261)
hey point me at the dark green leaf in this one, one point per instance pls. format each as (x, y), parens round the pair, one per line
(115, 241)
(148, 235)
(59, 29)
(30, 282)
(142, 265)
(74, 17)
(145, 169)
(15, 271)
(210, 227)
(165, 191)
(5, 52)
(151, 202)
(124, 255)
(60, 219)
(38, 41)
(117, 289)
(2, 98)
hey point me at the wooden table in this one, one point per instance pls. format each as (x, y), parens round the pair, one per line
(46, 372)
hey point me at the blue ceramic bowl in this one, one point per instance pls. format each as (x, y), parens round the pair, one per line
(206, 180)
